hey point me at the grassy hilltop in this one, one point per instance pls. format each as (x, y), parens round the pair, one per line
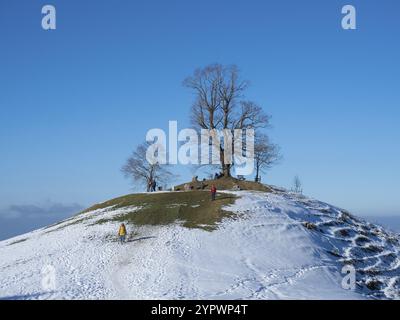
(193, 208)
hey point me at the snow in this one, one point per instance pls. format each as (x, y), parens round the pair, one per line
(265, 252)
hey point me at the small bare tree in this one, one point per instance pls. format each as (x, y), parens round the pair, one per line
(140, 170)
(220, 104)
(266, 154)
(297, 185)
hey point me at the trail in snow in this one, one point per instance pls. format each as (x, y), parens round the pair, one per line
(264, 253)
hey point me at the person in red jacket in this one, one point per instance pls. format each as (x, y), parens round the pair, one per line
(213, 192)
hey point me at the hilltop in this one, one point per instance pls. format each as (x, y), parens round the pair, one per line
(225, 183)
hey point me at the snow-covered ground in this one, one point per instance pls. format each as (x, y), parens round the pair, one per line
(265, 252)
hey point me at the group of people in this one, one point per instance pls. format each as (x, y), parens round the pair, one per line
(152, 185)
(218, 175)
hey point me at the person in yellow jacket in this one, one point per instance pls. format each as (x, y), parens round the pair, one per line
(122, 233)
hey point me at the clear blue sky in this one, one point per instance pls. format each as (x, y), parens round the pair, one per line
(75, 101)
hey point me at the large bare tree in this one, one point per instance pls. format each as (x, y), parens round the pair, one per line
(140, 170)
(220, 104)
(266, 154)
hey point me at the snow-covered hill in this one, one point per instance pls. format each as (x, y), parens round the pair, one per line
(277, 246)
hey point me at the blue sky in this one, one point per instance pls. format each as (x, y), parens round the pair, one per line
(75, 101)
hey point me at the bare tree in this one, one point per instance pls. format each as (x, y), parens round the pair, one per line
(140, 170)
(220, 104)
(266, 154)
(297, 185)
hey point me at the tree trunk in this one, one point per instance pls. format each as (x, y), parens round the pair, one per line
(226, 170)
(257, 172)
(226, 167)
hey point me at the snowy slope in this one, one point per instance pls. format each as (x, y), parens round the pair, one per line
(266, 252)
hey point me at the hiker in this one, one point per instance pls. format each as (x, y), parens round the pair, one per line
(213, 192)
(154, 185)
(122, 233)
